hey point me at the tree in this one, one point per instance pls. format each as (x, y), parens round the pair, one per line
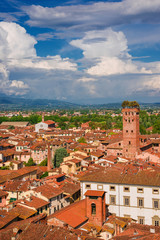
(44, 162)
(30, 163)
(82, 140)
(4, 168)
(11, 127)
(44, 175)
(60, 153)
(131, 104)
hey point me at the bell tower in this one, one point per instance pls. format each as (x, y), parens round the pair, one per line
(130, 129)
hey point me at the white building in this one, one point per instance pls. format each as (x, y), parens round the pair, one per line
(128, 195)
(44, 125)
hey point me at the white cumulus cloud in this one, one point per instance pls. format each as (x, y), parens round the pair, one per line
(106, 43)
(109, 49)
(109, 66)
(17, 51)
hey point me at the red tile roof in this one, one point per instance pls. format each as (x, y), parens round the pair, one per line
(94, 193)
(48, 191)
(73, 215)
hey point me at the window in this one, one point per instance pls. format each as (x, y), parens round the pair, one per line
(140, 202)
(93, 209)
(119, 144)
(131, 131)
(88, 186)
(126, 189)
(141, 220)
(129, 142)
(126, 201)
(126, 131)
(0, 200)
(100, 187)
(155, 191)
(155, 221)
(112, 188)
(155, 203)
(140, 190)
(112, 199)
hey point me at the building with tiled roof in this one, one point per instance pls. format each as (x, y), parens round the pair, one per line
(128, 193)
(44, 125)
(53, 195)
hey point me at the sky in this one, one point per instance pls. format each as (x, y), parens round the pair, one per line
(80, 51)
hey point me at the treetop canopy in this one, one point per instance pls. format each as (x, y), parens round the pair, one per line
(130, 104)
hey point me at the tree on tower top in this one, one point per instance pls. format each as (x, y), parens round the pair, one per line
(130, 104)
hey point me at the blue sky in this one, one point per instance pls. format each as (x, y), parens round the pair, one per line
(80, 51)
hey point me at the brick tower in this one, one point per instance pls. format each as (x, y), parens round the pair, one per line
(49, 158)
(130, 131)
(95, 207)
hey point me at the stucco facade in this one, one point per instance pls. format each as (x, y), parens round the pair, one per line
(139, 202)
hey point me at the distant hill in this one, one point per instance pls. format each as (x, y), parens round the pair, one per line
(22, 103)
(15, 103)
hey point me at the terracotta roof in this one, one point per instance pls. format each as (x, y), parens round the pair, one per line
(48, 191)
(76, 210)
(94, 193)
(70, 188)
(8, 218)
(17, 124)
(147, 177)
(33, 202)
(49, 122)
(23, 211)
(3, 193)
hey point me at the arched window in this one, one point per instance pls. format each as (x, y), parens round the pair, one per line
(93, 209)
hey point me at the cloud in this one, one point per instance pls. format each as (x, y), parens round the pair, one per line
(99, 15)
(109, 66)
(17, 43)
(47, 63)
(18, 84)
(86, 79)
(110, 54)
(106, 43)
(17, 51)
(151, 85)
(45, 36)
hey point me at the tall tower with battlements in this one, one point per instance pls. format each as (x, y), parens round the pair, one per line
(130, 129)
